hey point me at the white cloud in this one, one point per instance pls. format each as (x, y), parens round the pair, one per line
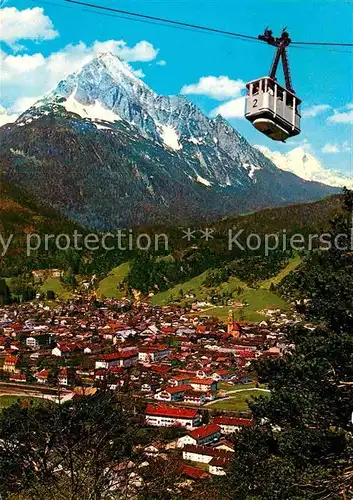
(162, 62)
(330, 148)
(316, 110)
(23, 103)
(216, 87)
(139, 73)
(231, 109)
(141, 52)
(303, 144)
(344, 115)
(6, 117)
(13, 66)
(28, 76)
(20, 105)
(27, 24)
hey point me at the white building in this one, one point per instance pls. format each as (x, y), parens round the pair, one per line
(229, 425)
(152, 354)
(203, 454)
(169, 416)
(207, 434)
(32, 342)
(203, 384)
(123, 358)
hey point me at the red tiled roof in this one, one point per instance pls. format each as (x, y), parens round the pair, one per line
(224, 442)
(193, 472)
(197, 394)
(220, 461)
(18, 376)
(177, 388)
(202, 381)
(116, 369)
(246, 354)
(170, 411)
(245, 422)
(120, 355)
(11, 360)
(64, 347)
(15, 326)
(180, 377)
(117, 325)
(160, 368)
(222, 372)
(168, 329)
(206, 430)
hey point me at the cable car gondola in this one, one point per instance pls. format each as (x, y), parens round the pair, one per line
(270, 107)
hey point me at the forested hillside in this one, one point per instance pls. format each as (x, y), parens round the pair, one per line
(163, 269)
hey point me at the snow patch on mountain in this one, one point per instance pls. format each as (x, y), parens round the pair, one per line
(170, 137)
(252, 169)
(195, 141)
(95, 111)
(201, 180)
(305, 165)
(116, 68)
(102, 127)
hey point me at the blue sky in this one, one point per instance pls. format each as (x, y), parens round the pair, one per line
(322, 78)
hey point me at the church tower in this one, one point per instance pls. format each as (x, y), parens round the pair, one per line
(233, 328)
(230, 321)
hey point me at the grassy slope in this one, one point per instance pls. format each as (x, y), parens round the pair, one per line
(231, 286)
(53, 284)
(307, 217)
(57, 287)
(6, 401)
(257, 299)
(291, 266)
(238, 402)
(194, 285)
(108, 286)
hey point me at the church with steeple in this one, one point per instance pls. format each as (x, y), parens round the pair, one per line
(233, 327)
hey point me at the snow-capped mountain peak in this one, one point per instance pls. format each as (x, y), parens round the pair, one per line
(116, 67)
(105, 91)
(112, 151)
(305, 165)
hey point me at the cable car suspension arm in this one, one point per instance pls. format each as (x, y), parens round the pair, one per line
(281, 43)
